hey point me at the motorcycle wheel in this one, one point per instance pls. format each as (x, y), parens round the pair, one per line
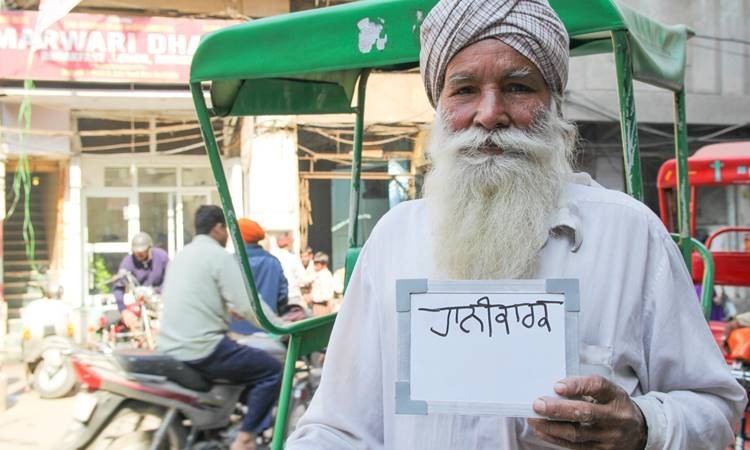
(53, 375)
(133, 426)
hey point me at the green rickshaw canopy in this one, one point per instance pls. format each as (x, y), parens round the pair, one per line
(277, 53)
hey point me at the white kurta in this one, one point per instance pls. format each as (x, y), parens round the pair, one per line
(294, 272)
(640, 326)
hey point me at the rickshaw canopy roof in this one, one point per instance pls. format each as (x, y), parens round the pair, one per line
(309, 62)
(712, 165)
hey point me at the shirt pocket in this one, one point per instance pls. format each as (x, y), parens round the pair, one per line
(596, 360)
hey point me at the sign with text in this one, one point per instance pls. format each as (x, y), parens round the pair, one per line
(483, 347)
(101, 48)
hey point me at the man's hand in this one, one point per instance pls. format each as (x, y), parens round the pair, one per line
(602, 416)
(129, 318)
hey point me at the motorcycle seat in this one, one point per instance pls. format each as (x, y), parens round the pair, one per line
(153, 363)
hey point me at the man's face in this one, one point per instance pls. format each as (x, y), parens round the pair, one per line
(305, 257)
(283, 240)
(221, 234)
(490, 85)
(142, 256)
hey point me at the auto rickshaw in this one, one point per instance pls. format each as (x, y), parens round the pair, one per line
(318, 62)
(717, 165)
(725, 164)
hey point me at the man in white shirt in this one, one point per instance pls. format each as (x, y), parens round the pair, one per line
(321, 294)
(501, 202)
(291, 265)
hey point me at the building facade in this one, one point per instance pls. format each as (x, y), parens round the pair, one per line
(114, 148)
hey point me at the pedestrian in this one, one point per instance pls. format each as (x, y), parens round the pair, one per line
(268, 275)
(321, 294)
(293, 269)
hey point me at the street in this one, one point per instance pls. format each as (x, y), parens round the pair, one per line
(31, 422)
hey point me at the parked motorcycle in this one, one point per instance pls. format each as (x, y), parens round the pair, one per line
(138, 399)
(48, 334)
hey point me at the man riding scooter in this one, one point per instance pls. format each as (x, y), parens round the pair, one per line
(203, 290)
(147, 264)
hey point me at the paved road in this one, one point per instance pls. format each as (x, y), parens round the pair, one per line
(31, 422)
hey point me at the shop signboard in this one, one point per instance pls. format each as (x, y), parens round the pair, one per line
(101, 48)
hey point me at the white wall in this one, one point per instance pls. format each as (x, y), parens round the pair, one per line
(52, 118)
(269, 153)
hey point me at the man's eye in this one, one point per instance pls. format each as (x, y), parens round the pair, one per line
(464, 90)
(517, 87)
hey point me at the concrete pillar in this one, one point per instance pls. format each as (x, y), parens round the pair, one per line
(3, 304)
(269, 151)
(72, 271)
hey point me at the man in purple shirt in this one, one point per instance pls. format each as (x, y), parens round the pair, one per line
(147, 264)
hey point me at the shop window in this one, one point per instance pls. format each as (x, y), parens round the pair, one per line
(197, 176)
(117, 177)
(106, 219)
(157, 177)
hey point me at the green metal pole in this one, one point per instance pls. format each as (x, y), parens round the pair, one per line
(709, 272)
(683, 185)
(707, 286)
(628, 122)
(354, 193)
(217, 167)
(285, 397)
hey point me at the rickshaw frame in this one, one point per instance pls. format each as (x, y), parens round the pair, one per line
(301, 67)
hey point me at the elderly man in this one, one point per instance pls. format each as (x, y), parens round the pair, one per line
(501, 202)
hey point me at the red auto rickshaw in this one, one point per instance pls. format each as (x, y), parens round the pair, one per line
(715, 165)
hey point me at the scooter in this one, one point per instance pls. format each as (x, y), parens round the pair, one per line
(48, 333)
(139, 399)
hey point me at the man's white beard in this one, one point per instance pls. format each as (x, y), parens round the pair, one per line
(490, 213)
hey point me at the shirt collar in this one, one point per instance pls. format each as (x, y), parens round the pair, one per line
(206, 239)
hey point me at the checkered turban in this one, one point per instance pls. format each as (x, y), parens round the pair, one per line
(531, 27)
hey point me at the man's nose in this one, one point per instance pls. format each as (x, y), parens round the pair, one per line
(492, 112)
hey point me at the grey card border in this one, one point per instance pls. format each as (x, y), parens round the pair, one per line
(405, 288)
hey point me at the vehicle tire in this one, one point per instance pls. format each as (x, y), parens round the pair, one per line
(53, 375)
(133, 426)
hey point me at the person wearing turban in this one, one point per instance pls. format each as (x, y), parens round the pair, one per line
(502, 202)
(267, 273)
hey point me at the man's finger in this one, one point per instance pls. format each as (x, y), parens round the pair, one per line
(568, 431)
(598, 387)
(571, 410)
(561, 442)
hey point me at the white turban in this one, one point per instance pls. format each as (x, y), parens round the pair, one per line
(531, 27)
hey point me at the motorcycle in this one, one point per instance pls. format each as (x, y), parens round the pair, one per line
(139, 399)
(144, 302)
(48, 333)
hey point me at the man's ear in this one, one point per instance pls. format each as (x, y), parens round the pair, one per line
(216, 229)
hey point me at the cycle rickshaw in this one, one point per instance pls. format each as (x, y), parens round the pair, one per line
(315, 62)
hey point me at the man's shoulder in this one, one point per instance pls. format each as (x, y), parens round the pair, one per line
(158, 253)
(405, 214)
(593, 198)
